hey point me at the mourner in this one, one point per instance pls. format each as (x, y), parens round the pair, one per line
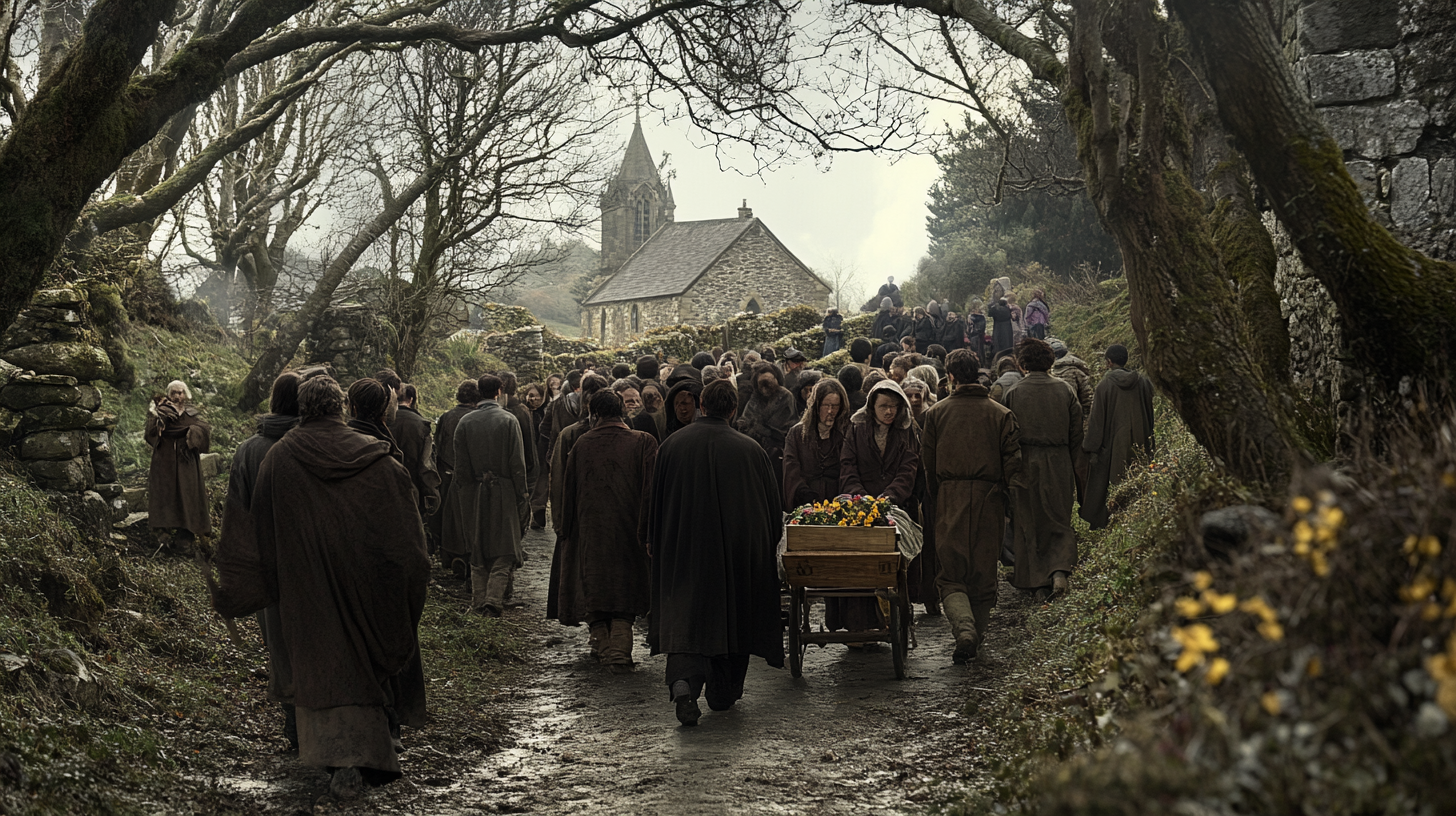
(489, 498)
(178, 436)
(1119, 430)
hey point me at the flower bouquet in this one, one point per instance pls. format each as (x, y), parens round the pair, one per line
(845, 511)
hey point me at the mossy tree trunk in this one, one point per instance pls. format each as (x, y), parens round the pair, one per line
(1396, 307)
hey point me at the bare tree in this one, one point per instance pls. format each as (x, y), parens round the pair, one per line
(847, 290)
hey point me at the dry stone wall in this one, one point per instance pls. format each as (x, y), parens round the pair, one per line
(50, 415)
(1383, 75)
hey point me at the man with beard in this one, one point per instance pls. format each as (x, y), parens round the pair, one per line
(489, 499)
(467, 396)
(239, 592)
(343, 554)
(600, 570)
(412, 433)
(769, 415)
(714, 533)
(971, 453)
(518, 409)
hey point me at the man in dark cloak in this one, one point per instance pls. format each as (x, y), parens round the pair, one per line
(467, 395)
(489, 497)
(239, 592)
(971, 452)
(560, 414)
(343, 554)
(600, 573)
(590, 385)
(522, 414)
(178, 436)
(416, 442)
(1051, 437)
(1002, 328)
(1119, 431)
(714, 534)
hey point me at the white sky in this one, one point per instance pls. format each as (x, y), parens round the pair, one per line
(864, 212)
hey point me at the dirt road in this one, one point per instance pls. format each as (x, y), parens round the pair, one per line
(845, 738)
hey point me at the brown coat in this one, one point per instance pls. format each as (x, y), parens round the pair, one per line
(522, 414)
(1119, 431)
(412, 432)
(445, 464)
(864, 469)
(176, 495)
(602, 566)
(811, 465)
(1051, 438)
(971, 450)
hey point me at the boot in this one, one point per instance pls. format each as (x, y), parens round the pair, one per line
(497, 587)
(685, 703)
(957, 608)
(347, 784)
(982, 614)
(618, 654)
(1059, 585)
(538, 519)
(599, 638)
(480, 594)
(290, 726)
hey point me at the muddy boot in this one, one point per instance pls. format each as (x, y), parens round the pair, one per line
(538, 519)
(957, 608)
(600, 638)
(687, 705)
(1059, 585)
(480, 594)
(618, 654)
(982, 614)
(347, 784)
(290, 726)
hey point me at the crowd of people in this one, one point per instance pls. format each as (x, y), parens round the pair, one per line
(666, 485)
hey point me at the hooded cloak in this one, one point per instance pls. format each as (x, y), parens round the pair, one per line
(176, 493)
(1119, 430)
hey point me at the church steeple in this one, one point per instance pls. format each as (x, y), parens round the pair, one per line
(635, 204)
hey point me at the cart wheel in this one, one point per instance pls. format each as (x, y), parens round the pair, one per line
(798, 624)
(898, 640)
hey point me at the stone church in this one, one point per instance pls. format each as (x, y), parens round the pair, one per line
(665, 272)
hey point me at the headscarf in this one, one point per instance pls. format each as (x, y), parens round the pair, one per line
(692, 387)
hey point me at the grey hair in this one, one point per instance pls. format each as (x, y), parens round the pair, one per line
(187, 392)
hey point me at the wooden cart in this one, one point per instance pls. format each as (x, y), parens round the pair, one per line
(846, 562)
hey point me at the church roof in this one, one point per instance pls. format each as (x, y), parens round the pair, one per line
(672, 259)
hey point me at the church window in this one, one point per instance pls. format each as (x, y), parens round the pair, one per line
(641, 221)
(636, 320)
(604, 325)
(753, 307)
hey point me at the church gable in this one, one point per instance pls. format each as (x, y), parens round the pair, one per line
(756, 271)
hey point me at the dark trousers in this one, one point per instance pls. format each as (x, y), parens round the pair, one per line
(723, 675)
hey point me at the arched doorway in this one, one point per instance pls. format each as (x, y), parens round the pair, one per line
(753, 307)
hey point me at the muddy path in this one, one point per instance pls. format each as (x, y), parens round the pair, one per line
(845, 738)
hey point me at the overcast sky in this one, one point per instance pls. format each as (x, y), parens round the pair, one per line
(863, 212)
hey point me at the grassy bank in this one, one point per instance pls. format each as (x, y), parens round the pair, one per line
(123, 693)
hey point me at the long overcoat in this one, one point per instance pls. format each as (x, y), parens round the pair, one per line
(714, 532)
(176, 494)
(1002, 331)
(488, 494)
(445, 464)
(1119, 430)
(603, 566)
(1051, 437)
(811, 464)
(413, 434)
(971, 452)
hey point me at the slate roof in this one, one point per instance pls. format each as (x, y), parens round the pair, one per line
(672, 260)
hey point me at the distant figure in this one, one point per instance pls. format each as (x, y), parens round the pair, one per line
(889, 341)
(178, 436)
(1051, 438)
(350, 591)
(467, 396)
(793, 366)
(953, 332)
(1038, 315)
(1002, 328)
(971, 454)
(833, 331)
(714, 529)
(924, 326)
(884, 317)
(888, 289)
(976, 329)
(1119, 430)
(1018, 328)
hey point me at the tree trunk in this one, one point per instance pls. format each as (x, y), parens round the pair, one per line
(1396, 307)
(296, 327)
(1191, 333)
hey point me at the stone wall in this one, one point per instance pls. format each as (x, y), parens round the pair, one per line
(757, 268)
(1383, 75)
(651, 313)
(345, 338)
(50, 415)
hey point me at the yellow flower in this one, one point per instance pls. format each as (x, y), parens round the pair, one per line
(1220, 604)
(1197, 637)
(1418, 589)
(1409, 547)
(841, 523)
(1302, 504)
(1188, 607)
(1319, 564)
(1258, 606)
(1449, 480)
(1431, 611)
(1217, 670)
(1202, 579)
(1429, 546)
(1332, 516)
(1314, 668)
(1271, 704)
(1187, 660)
(1440, 669)
(1271, 630)
(1303, 533)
